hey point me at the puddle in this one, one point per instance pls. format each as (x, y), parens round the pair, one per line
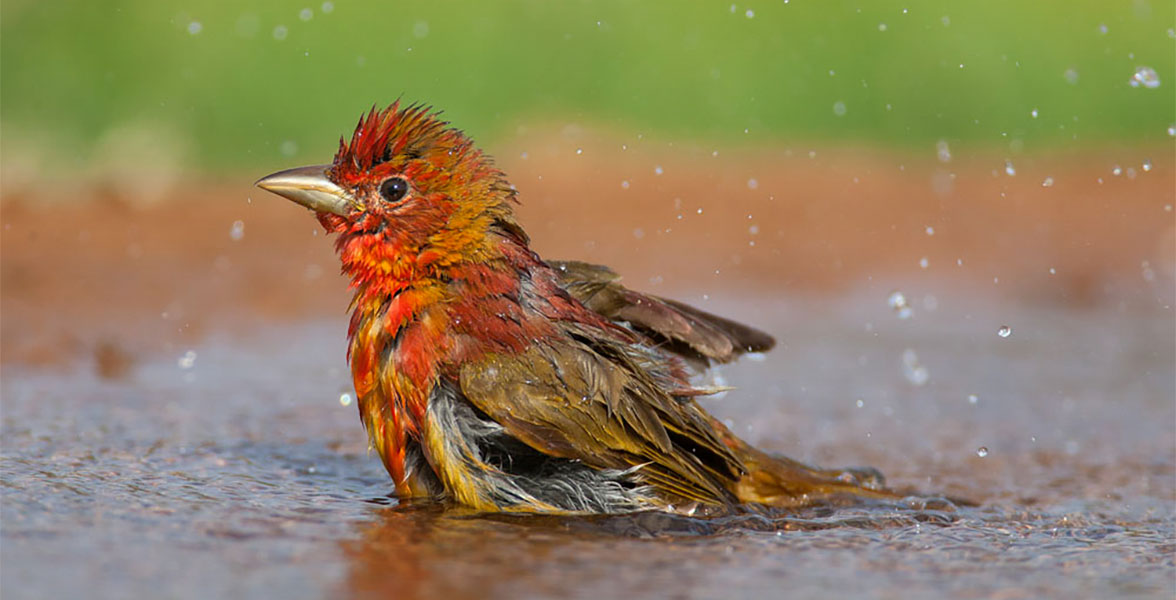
(235, 471)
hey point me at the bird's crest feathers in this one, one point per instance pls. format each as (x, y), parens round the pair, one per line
(382, 135)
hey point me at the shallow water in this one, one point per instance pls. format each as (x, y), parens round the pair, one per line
(238, 473)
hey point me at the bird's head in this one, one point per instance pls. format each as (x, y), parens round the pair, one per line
(405, 192)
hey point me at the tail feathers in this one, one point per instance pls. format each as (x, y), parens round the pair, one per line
(785, 483)
(781, 482)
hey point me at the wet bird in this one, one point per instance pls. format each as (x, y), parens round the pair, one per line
(497, 380)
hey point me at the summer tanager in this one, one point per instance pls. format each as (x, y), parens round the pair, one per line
(500, 381)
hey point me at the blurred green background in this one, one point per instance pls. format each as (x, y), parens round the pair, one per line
(237, 84)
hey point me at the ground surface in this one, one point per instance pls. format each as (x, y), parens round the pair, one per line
(171, 416)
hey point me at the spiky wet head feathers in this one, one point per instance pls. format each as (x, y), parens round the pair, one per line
(455, 202)
(382, 135)
(416, 143)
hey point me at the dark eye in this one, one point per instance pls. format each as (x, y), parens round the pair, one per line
(394, 189)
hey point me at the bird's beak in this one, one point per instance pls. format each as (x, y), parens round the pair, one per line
(309, 187)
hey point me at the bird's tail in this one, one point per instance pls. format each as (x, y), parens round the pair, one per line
(781, 482)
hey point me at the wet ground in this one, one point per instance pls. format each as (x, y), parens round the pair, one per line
(173, 424)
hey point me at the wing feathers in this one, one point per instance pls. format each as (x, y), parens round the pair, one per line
(709, 336)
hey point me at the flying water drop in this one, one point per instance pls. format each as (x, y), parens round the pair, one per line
(1145, 77)
(914, 372)
(943, 151)
(188, 360)
(898, 303)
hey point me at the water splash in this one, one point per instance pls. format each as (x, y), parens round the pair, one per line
(914, 371)
(943, 151)
(898, 303)
(1145, 77)
(188, 360)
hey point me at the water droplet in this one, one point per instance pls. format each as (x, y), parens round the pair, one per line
(881, 26)
(638, 233)
(750, 14)
(1146, 166)
(1010, 170)
(982, 451)
(752, 184)
(1048, 182)
(345, 399)
(1102, 28)
(700, 211)
(305, 14)
(898, 303)
(1071, 76)
(579, 150)
(625, 185)
(923, 262)
(288, 148)
(327, 7)
(420, 29)
(1149, 274)
(658, 170)
(1172, 131)
(1053, 271)
(753, 230)
(839, 108)
(1116, 170)
(914, 372)
(1033, 113)
(524, 156)
(973, 399)
(280, 32)
(195, 27)
(237, 231)
(943, 151)
(1005, 331)
(930, 230)
(860, 403)
(1146, 77)
(188, 360)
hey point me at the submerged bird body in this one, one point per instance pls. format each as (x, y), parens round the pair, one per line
(503, 382)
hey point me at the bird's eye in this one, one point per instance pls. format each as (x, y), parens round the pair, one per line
(394, 189)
